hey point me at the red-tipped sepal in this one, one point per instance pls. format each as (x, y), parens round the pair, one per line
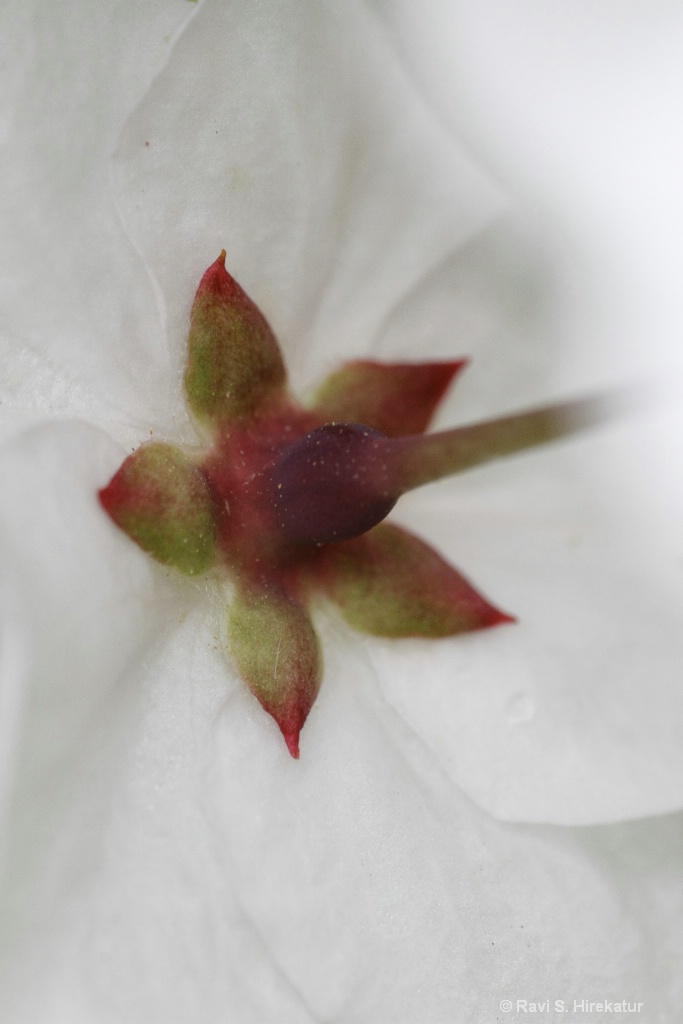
(394, 398)
(390, 583)
(234, 363)
(277, 652)
(161, 500)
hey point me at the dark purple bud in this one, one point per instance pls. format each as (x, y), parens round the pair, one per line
(333, 484)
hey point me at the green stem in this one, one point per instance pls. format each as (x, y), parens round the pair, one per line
(429, 457)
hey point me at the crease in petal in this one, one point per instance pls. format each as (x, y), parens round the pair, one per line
(291, 131)
(390, 583)
(87, 604)
(68, 273)
(408, 902)
(394, 398)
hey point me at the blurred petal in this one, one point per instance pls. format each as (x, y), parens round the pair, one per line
(356, 884)
(130, 912)
(572, 714)
(591, 691)
(402, 901)
(79, 315)
(86, 603)
(85, 606)
(288, 133)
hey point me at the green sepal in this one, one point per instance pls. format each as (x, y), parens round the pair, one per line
(390, 583)
(277, 652)
(234, 364)
(162, 501)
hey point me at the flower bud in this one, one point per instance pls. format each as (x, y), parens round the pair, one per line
(332, 484)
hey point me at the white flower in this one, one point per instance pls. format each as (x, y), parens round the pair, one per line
(164, 859)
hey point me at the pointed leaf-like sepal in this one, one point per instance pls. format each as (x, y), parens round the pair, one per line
(390, 583)
(162, 501)
(277, 652)
(394, 398)
(234, 362)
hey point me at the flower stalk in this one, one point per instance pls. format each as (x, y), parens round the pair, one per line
(342, 479)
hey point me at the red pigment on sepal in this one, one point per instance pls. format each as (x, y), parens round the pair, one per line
(234, 364)
(220, 286)
(276, 648)
(394, 398)
(161, 499)
(390, 583)
(291, 731)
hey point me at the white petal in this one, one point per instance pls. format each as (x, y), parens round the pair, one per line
(84, 603)
(215, 878)
(598, 186)
(569, 715)
(79, 328)
(575, 720)
(132, 913)
(399, 900)
(288, 134)
(172, 863)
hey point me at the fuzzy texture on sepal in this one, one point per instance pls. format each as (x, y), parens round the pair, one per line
(277, 652)
(390, 583)
(162, 501)
(394, 398)
(234, 363)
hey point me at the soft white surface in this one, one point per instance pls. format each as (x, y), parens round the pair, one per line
(344, 247)
(583, 723)
(575, 108)
(289, 135)
(79, 327)
(164, 860)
